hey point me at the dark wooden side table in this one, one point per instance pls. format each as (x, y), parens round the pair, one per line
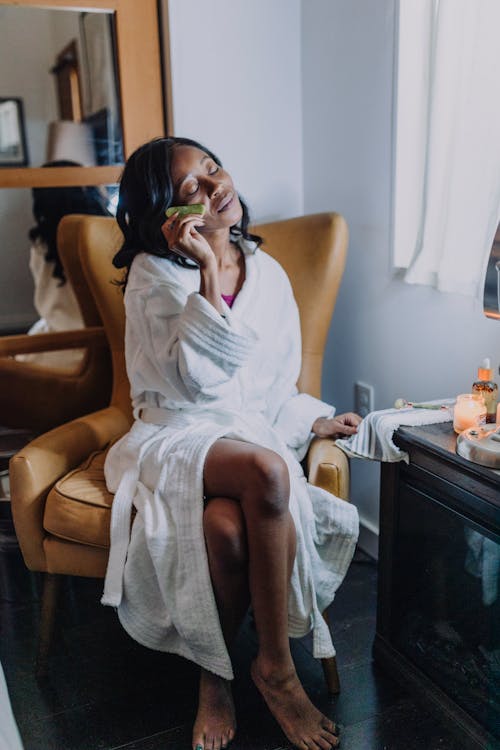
(17, 583)
(438, 616)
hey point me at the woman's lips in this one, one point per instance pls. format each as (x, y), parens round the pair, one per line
(225, 203)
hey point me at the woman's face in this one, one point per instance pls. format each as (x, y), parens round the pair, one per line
(197, 178)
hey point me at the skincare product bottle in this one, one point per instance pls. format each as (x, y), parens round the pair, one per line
(487, 388)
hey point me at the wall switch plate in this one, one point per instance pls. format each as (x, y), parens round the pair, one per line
(363, 398)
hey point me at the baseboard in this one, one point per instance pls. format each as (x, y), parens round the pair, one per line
(368, 538)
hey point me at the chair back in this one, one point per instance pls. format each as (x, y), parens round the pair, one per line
(99, 238)
(68, 240)
(312, 250)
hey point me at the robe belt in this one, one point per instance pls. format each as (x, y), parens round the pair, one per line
(121, 514)
(162, 416)
(120, 530)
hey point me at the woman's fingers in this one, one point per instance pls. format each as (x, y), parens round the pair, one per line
(187, 227)
(174, 227)
(350, 418)
(184, 239)
(335, 427)
(341, 428)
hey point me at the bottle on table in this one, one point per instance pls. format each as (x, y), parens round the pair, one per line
(485, 386)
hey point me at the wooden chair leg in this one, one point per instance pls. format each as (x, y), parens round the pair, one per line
(51, 588)
(330, 668)
(331, 675)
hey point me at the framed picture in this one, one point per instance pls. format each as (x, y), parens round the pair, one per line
(13, 149)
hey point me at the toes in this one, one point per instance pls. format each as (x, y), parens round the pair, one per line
(323, 743)
(330, 737)
(214, 743)
(329, 725)
(327, 742)
(328, 733)
(309, 744)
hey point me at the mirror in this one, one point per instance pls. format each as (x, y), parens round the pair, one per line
(62, 76)
(78, 79)
(59, 101)
(491, 300)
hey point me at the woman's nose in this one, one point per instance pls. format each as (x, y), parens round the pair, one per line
(214, 188)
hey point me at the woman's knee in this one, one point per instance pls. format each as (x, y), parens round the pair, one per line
(270, 485)
(225, 533)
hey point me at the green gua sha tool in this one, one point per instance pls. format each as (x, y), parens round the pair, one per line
(194, 208)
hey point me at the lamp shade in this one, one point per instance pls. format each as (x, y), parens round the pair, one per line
(73, 141)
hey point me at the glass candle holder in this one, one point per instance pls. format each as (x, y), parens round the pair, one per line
(469, 411)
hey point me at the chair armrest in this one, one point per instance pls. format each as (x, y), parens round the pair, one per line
(48, 342)
(34, 470)
(328, 467)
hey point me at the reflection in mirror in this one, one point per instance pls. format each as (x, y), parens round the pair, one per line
(24, 269)
(62, 68)
(492, 280)
(13, 152)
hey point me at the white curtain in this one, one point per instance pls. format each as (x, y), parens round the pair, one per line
(447, 158)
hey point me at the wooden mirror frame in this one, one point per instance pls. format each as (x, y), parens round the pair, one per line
(140, 90)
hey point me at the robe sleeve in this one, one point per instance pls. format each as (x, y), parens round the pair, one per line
(296, 418)
(190, 345)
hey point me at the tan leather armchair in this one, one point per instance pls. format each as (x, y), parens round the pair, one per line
(60, 503)
(38, 397)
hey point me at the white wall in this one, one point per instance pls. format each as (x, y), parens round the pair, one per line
(404, 340)
(244, 74)
(237, 89)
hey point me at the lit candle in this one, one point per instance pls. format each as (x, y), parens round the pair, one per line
(469, 411)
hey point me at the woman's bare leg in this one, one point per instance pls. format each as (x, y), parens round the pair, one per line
(258, 479)
(225, 536)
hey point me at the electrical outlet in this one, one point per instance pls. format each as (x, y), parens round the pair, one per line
(363, 398)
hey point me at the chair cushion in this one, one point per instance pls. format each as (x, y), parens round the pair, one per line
(78, 507)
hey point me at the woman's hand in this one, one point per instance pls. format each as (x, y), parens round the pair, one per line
(184, 239)
(341, 425)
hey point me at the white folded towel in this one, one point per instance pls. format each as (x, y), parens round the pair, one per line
(374, 437)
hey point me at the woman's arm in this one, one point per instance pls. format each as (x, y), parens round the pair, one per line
(183, 238)
(180, 346)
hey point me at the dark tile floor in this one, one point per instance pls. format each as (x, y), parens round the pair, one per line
(106, 692)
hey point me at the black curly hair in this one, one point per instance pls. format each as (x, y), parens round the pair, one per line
(50, 204)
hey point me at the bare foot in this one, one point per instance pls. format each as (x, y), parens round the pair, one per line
(215, 723)
(305, 726)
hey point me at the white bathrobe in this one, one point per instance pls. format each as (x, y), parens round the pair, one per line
(197, 376)
(57, 306)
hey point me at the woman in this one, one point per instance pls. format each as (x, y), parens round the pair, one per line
(224, 515)
(54, 298)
